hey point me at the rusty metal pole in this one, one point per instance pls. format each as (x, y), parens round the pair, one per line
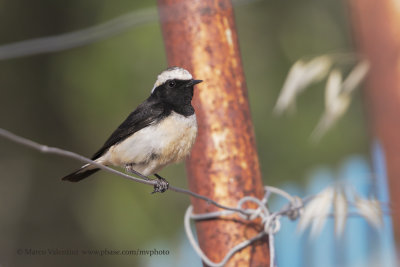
(201, 37)
(376, 28)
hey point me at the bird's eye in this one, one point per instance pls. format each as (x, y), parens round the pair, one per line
(171, 84)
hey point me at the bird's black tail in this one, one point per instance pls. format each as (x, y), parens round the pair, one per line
(81, 174)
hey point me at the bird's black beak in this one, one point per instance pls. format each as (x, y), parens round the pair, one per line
(196, 81)
(193, 82)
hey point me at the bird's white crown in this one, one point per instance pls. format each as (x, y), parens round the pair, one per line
(170, 74)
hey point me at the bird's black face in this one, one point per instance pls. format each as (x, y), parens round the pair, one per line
(177, 93)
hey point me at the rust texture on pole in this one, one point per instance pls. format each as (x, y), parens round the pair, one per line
(376, 28)
(201, 37)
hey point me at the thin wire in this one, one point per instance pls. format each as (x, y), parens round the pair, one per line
(80, 37)
(145, 180)
(271, 244)
(280, 192)
(57, 151)
(85, 36)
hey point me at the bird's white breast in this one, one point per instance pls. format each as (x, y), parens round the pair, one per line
(157, 145)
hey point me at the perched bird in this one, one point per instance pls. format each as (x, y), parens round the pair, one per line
(160, 131)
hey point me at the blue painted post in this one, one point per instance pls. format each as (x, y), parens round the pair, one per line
(384, 242)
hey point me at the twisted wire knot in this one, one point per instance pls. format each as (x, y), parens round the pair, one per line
(295, 208)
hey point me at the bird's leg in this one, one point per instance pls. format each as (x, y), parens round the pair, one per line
(129, 169)
(161, 186)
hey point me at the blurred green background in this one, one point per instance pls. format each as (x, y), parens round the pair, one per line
(74, 99)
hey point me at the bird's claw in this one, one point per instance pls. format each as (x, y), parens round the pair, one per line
(161, 185)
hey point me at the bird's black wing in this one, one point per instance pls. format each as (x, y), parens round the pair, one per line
(145, 114)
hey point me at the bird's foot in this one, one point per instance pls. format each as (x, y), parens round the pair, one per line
(161, 186)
